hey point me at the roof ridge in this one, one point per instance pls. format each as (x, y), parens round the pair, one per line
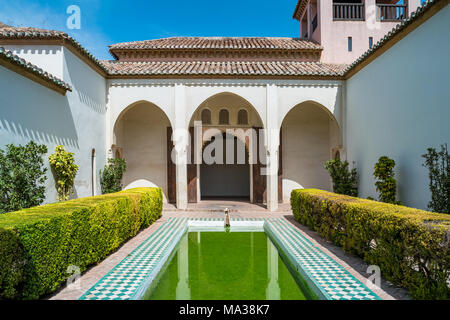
(10, 32)
(196, 42)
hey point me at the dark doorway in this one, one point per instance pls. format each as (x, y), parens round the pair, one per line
(228, 179)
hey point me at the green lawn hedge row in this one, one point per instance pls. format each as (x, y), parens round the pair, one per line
(38, 245)
(410, 246)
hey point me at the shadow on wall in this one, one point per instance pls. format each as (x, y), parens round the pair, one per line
(88, 84)
(41, 114)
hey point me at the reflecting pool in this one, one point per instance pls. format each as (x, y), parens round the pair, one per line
(227, 266)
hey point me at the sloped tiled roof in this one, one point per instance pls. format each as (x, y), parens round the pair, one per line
(389, 37)
(217, 43)
(8, 33)
(14, 60)
(301, 4)
(229, 68)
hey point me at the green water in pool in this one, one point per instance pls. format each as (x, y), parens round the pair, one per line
(227, 266)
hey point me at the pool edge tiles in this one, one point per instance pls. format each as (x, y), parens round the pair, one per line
(131, 277)
(325, 276)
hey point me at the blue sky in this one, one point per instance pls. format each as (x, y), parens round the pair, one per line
(104, 22)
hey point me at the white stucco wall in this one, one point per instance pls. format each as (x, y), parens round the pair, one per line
(142, 134)
(30, 111)
(88, 108)
(308, 134)
(269, 100)
(398, 106)
(47, 57)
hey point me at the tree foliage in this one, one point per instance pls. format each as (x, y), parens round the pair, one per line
(111, 177)
(65, 170)
(345, 181)
(386, 183)
(439, 173)
(22, 175)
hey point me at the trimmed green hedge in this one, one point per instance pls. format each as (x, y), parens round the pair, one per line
(37, 245)
(410, 246)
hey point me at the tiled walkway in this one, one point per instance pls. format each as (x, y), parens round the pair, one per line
(242, 210)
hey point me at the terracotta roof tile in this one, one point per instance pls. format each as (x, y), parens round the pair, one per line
(11, 33)
(217, 43)
(301, 4)
(207, 68)
(31, 68)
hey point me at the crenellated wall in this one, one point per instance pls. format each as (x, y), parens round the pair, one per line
(30, 111)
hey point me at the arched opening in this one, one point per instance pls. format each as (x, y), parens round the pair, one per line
(310, 134)
(225, 170)
(206, 117)
(224, 117)
(141, 139)
(242, 117)
(240, 180)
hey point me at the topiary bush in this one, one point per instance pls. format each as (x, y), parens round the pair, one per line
(345, 181)
(386, 183)
(438, 164)
(111, 177)
(65, 170)
(22, 175)
(37, 245)
(410, 246)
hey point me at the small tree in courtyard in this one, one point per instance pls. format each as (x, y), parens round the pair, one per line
(438, 164)
(111, 177)
(65, 170)
(22, 175)
(345, 181)
(386, 183)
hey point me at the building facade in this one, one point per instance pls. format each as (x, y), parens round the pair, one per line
(289, 104)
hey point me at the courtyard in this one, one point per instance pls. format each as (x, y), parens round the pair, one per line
(214, 211)
(302, 167)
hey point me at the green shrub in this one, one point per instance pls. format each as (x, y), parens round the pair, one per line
(22, 175)
(79, 233)
(345, 181)
(65, 170)
(111, 177)
(438, 164)
(386, 183)
(410, 246)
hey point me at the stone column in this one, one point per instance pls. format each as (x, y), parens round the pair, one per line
(272, 145)
(371, 10)
(181, 141)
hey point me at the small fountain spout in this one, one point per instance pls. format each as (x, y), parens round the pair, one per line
(227, 218)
